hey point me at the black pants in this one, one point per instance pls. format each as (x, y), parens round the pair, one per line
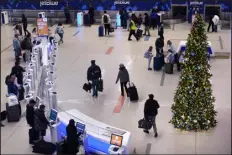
(153, 23)
(211, 24)
(123, 23)
(123, 84)
(91, 19)
(25, 30)
(132, 32)
(107, 29)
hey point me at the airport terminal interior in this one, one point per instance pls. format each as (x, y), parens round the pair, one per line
(81, 45)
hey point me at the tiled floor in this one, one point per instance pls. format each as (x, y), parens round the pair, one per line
(74, 59)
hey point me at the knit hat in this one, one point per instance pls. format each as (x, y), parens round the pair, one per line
(121, 66)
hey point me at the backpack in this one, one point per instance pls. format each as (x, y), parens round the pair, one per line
(59, 30)
(7, 79)
(172, 59)
(105, 18)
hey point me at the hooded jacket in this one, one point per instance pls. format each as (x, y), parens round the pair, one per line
(123, 75)
(151, 107)
(94, 72)
(41, 122)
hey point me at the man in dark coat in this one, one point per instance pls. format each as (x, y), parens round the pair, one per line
(72, 138)
(91, 14)
(159, 45)
(150, 111)
(67, 14)
(24, 21)
(17, 70)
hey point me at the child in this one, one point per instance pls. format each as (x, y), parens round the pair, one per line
(149, 56)
(60, 32)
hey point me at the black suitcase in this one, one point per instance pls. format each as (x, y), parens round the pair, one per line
(100, 87)
(43, 147)
(33, 135)
(139, 33)
(168, 68)
(133, 94)
(3, 115)
(87, 87)
(144, 124)
(158, 63)
(86, 20)
(13, 112)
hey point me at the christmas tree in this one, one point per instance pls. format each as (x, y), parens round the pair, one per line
(193, 108)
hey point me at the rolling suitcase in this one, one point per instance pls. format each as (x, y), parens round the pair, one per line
(87, 87)
(13, 112)
(33, 135)
(3, 115)
(61, 147)
(86, 20)
(43, 147)
(133, 94)
(144, 124)
(168, 68)
(100, 87)
(139, 33)
(100, 31)
(158, 63)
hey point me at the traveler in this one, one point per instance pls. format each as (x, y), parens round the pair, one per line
(67, 14)
(169, 58)
(34, 34)
(153, 19)
(180, 63)
(172, 48)
(161, 30)
(216, 22)
(60, 32)
(123, 17)
(17, 70)
(149, 56)
(147, 24)
(94, 75)
(72, 138)
(30, 113)
(11, 86)
(132, 28)
(150, 111)
(124, 78)
(24, 21)
(16, 30)
(106, 22)
(17, 47)
(91, 14)
(140, 20)
(159, 44)
(211, 24)
(26, 43)
(41, 122)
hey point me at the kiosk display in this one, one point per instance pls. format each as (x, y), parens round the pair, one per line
(53, 115)
(116, 140)
(5, 18)
(80, 127)
(42, 27)
(80, 19)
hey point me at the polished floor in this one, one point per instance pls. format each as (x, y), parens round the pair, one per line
(83, 45)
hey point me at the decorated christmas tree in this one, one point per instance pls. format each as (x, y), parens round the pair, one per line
(193, 108)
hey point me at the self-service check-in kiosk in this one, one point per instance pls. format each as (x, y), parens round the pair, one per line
(5, 18)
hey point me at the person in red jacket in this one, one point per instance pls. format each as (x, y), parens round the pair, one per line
(150, 112)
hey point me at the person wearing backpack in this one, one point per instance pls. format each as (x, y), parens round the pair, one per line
(94, 75)
(106, 22)
(60, 32)
(17, 70)
(124, 78)
(148, 54)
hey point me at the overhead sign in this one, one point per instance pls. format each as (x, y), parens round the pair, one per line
(49, 3)
(42, 26)
(196, 3)
(116, 2)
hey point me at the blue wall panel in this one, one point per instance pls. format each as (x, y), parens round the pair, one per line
(136, 5)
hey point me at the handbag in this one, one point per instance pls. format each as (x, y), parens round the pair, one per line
(144, 124)
(87, 87)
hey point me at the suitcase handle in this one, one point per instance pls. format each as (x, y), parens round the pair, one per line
(131, 84)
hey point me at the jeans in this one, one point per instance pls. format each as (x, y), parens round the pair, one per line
(61, 37)
(147, 30)
(107, 29)
(123, 84)
(95, 84)
(215, 28)
(152, 119)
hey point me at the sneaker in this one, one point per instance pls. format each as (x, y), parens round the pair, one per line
(129, 39)
(148, 35)
(146, 131)
(144, 34)
(149, 69)
(156, 134)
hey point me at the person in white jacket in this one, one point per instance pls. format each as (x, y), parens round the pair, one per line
(216, 22)
(106, 22)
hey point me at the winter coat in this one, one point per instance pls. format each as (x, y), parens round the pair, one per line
(41, 122)
(159, 43)
(172, 48)
(91, 70)
(102, 19)
(12, 88)
(147, 21)
(151, 107)
(215, 20)
(30, 115)
(16, 44)
(18, 71)
(72, 139)
(123, 75)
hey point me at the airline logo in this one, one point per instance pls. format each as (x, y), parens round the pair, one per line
(121, 2)
(48, 3)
